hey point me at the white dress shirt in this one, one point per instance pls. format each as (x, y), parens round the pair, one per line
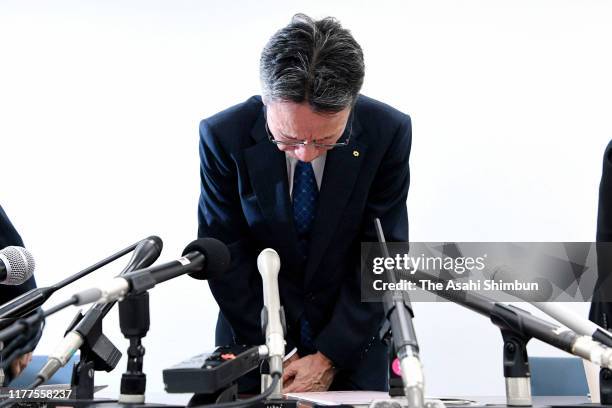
(318, 165)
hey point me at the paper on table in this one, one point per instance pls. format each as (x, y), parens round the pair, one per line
(339, 397)
(357, 398)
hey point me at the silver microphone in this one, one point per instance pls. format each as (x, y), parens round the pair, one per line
(16, 265)
(268, 264)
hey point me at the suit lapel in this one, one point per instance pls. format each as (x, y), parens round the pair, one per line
(339, 175)
(267, 168)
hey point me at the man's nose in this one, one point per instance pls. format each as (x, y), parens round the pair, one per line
(307, 153)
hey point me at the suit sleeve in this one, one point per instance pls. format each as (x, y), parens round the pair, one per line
(354, 325)
(601, 308)
(220, 216)
(604, 216)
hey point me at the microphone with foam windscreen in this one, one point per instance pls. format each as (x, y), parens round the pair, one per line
(272, 315)
(204, 258)
(16, 265)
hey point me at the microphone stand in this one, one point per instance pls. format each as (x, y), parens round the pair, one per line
(398, 328)
(605, 386)
(134, 319)
(514, 331)
(97, 353)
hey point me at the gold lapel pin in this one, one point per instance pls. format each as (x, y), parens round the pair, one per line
(355, 153)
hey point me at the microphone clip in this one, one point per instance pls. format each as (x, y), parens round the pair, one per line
(98, 353)
(516, 361)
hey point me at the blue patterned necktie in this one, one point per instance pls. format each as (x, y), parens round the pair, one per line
(305, 200)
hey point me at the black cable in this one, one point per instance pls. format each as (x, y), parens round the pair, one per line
(248, 401)
(14, 344)
(29, 334)
(35, 384)
(28, 329)
(15, 351)
(18, 326)
(7, 403)
(39, 315)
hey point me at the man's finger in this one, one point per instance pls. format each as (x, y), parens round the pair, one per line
(15, 367)
(291, 388)
(297, 386)
(287, 383)
(290, 371)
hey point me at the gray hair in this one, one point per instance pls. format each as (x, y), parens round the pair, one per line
(317, 62)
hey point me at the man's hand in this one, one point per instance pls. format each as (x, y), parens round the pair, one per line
(20, 363)
(314, 372)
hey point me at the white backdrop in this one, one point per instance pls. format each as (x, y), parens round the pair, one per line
(100, 104)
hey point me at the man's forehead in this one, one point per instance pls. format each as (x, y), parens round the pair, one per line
(300, 116)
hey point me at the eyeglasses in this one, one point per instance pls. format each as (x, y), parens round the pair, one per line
(297, 143)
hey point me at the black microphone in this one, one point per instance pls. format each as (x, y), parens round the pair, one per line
(16, 265)
(399, 315)
(205, 258)
(134, 320)
(146, 252)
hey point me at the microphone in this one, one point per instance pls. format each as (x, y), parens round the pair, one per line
(399, 314)
(520, 320)
(544, 293)
(29, 301)
(575, 322)
(146, 252)
(204, 258)
(16, 265)
(522, 325)
(272, 314)
(564, 315)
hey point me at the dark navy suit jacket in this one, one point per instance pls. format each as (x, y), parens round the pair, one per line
(10, 237)
(245, 203)
(601, 308)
